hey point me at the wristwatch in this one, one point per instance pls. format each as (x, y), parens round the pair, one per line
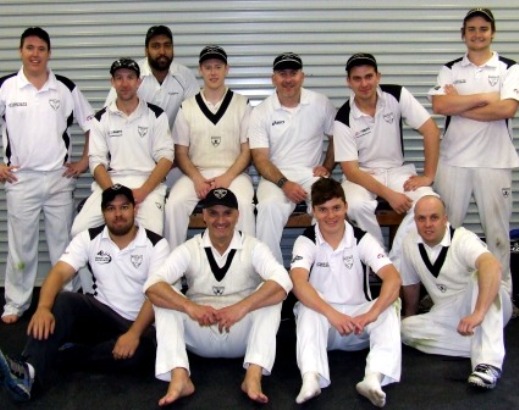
(282, 181)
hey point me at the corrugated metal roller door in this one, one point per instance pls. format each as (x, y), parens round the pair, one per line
(411, 40)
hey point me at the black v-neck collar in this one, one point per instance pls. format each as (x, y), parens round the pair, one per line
(440, 260)
(214, 118)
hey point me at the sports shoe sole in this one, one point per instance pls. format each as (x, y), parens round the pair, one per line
(17, 392)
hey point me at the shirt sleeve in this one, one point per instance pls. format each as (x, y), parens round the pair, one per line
(76, 254)
(510, 89)
(191, 83)
(407, 270)
(258, 134)
(244, 124)
(413, 113)
(344, 146)
(162, 141)
(83, 112)
(372, 253)
(160, 253)
(470, 248)
(330, 113)
(444, 77)
(269, 268)
(111, 97)
(171, 270)
(303, 253)
(97, 146)
(181, 130)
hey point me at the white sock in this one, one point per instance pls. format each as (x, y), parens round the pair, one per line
(310, 387)
(371, 389)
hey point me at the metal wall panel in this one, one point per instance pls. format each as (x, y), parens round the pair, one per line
(411, 40)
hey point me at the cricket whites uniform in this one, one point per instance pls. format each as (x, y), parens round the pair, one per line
(35, 138)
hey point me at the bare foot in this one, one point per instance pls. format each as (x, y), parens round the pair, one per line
(251, 385)
(10, 319)
(179, 386)
(372, 391)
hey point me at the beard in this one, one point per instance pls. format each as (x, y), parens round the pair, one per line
(120, 230)
(160, 64)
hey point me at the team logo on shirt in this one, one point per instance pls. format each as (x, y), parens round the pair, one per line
(55, 103)
(506, 192)
(136, 260)
(142, 131)
(389, 118)
(103, 257)
(361, 133)
(493, 80)
(215, 141)
(218, 290)
(460, 81)
(322, 265)
(277, 122)
(442, 288)
(115, 133)
(516, 91)
(348, 261)
(296, 258)
(17, 104)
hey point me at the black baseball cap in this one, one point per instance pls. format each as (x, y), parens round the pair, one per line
(289, 60)
(480, 11)
(220, 196)
(110, 193)
(359, 59)
(212, 51)
(127, 63)
(157, 31)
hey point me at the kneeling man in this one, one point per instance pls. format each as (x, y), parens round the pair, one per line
(232, 307)
(335, 310)
(463, 278)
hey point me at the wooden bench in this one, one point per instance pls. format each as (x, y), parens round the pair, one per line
(386, 217)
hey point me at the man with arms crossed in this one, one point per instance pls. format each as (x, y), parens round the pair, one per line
(232, 307)
(368, 144)
(463, 279)
(211, 148)
(114, 322)
(36, 109)
(286, 135)
(335, 310)
(479, 94)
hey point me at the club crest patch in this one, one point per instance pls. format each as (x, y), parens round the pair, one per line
(348, 261)
(218, 290)
(215, 141)
(442, 288)
(506, 192)
(103, 257)
(493, 80)
(136, 260)
(389, 118)
(143, 131)
(55, 104)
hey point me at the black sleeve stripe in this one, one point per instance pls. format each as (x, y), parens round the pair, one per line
(343, 115)
(153, 237)
(451, 63)
(156, 110)
(7, 77)
(358, 233)
(393, 89)
(93, 232)
(68, 83)
(309, 232)
(509, 62)
(100, 113)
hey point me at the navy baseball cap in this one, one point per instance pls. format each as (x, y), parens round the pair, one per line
(289, 60)
(127, 63)
(220, 196)
(212, 51)
(359, 59)
(157, 31)
(110, 193)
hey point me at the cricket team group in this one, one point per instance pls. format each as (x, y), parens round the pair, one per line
(162, 146)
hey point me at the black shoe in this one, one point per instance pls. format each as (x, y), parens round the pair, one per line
(485, 376)
(16, 377)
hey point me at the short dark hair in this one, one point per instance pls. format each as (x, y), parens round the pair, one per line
(110, 193)
(480, 12)
(325, 189)
(154, 31)
(35, 32)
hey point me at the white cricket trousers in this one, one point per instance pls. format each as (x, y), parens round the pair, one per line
(34, 192)
(435, 332)
(253, 337)
(274, 208)
(315, 335)
(493, 194)
(363, 203)
(182, 200)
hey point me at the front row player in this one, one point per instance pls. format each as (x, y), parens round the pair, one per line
(232, 307)
(335, 310)
(471, 303)
(115, 321)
